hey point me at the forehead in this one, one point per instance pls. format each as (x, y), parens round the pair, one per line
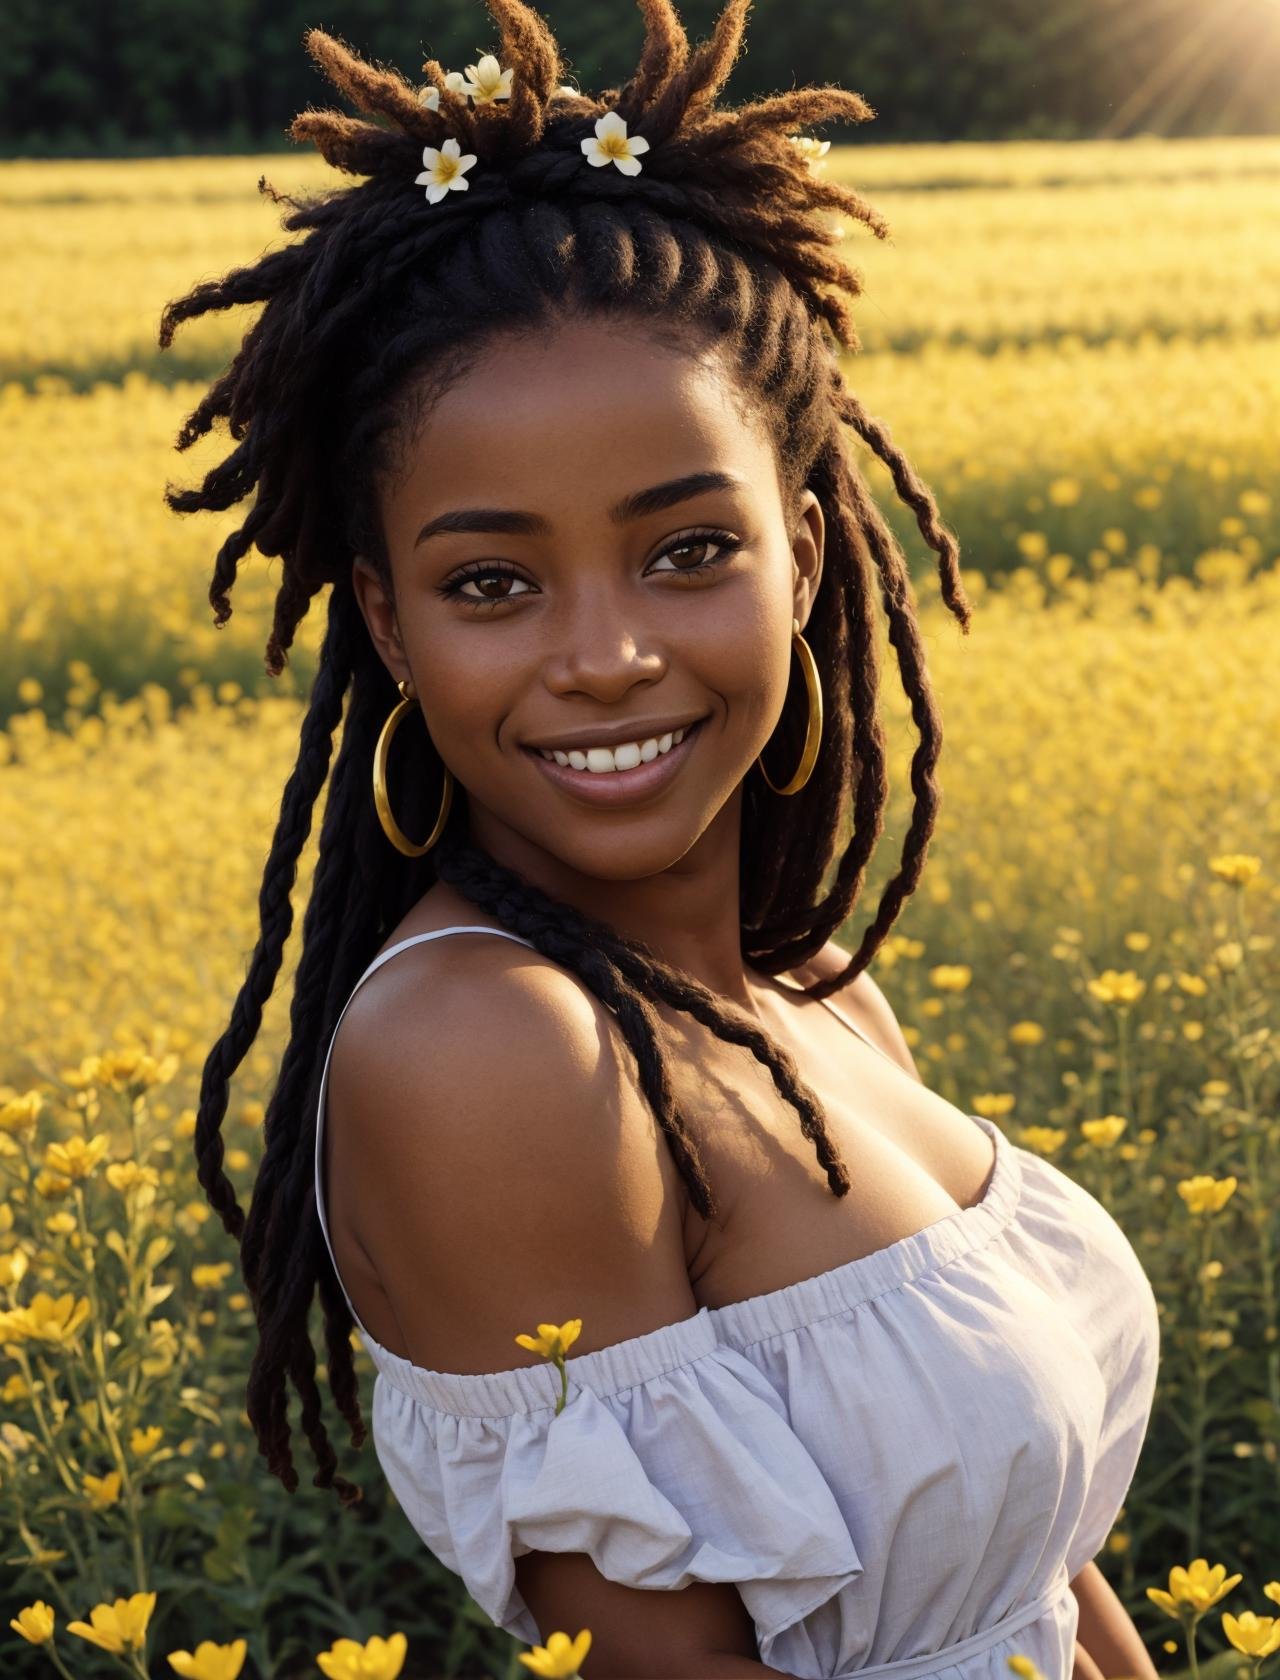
(591, 406)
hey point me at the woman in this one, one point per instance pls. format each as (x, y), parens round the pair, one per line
(551, 401)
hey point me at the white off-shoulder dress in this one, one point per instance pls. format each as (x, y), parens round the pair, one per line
(900, 1463)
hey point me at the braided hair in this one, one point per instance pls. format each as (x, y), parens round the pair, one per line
(719, 241)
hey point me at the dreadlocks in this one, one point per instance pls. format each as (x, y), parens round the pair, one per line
(719, 241)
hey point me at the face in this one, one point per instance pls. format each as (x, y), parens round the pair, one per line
(588, 545)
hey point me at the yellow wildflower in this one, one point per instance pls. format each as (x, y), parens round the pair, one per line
(144, 1441)
(553, 1340)
(75, 1158)
(1116, 986)
(18, 1114)
(1237, 867)
(1026, 1032)
(47, 1319)
(210, 1662)
(102, 1490)
(1043, 1139)
(1103, 1133)
(211, 1275)
(120, 1626)
(13, 1268)
(950, 977)
(560, 1658)
(34, 1623)
(379, 1659)
(1195, 1589)
(1203, 1194)
(993, 1104)
(1256, 1636)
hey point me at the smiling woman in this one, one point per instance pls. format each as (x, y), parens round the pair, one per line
(565, 440)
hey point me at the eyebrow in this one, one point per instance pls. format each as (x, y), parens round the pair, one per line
(635, 506)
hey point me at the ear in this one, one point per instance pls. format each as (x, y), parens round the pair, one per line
(806, 555)
(378, 609)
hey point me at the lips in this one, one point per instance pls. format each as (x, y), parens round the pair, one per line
(619, 787)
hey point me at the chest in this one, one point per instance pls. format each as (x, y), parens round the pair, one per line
(912, 1156)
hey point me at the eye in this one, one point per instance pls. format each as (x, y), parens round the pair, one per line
(695, 540)
(480, 570)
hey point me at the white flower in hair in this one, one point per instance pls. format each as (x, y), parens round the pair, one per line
(611, 145)
(810, 148)
(487, 82)
(443, 170)
(455, 81)
(430, 97)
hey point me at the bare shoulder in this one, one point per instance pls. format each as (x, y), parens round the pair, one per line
(503, 1165)
(864, 998)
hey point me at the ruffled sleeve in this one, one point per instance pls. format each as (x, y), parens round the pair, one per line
(672, 1461)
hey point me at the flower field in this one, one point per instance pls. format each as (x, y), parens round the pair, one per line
(1079, 349)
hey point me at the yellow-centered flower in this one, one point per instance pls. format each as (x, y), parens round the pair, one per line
(610, 144)
(444, 170)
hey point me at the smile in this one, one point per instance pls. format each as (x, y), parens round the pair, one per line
(617, 775)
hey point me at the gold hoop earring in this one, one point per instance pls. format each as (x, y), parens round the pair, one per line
(813, 734)
(390, 827)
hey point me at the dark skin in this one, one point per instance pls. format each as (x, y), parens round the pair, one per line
(592, 626)
(597, 626)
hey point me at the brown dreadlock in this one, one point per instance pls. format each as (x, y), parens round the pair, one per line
(720, 240)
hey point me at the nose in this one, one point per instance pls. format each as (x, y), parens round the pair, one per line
(603, 652)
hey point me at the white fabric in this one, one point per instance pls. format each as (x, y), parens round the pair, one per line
(901, 1463)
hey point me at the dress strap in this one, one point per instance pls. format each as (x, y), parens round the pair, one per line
(386, 956)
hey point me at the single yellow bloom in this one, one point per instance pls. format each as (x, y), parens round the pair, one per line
(1204, 1194)
(1103, 1133)
(13, 1267)
(379, 1659)
(122, 1175)
(993, 1104)
(1237, 867)
(34, 1623)
(51, 1185)
(950, 977)
(1115, 986)
(50, 1320)
(1193, 984)
(1064, 492)
(553, 1340)
(1196, 1588)
(75, 1158)
(210, 1662)
(211, 1275)
(1025, 1667)
(120, 1626)
(102, 1490)
(1026, 1032)
(560, 1658)
(1043, 1139)
(144, 1441)
(19, 1114)
(1256, 1636)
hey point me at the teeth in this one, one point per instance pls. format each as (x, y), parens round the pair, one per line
(625, 756)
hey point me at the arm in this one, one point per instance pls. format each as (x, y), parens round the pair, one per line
(1107, 1631)
(510, 1173)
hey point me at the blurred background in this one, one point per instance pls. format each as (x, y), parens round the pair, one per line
(1074, 334)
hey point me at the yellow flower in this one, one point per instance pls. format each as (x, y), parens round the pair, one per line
(1203, 1194)
(1229, 955)
(1193, 984)
(560, 1658)
(210, 1662)
(1033, 545)
(119, 1626)
(487, 81)
(211, 1275)
(1196, 1588)
(144, 1441)
(18, 1114)
(553, 1340)
(993, 1104)
(1026, 1032)
(1043, 1139)
(30, 690)
(13, 1268)
(1064, 492)
(379, 1659)
(610, 144)
(49, 1320)
(1237, 867)
(1254, 502)
(102, 1490)
(443, 170)
(61, 1224)
(950, 977)
(1024, 1667)
(237, 1159)
(1114, 986)
(1137, 941)
(1256, 1636)
(1103, 1133)
(34, 1623)
(75, 1158)
(122, 1175)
